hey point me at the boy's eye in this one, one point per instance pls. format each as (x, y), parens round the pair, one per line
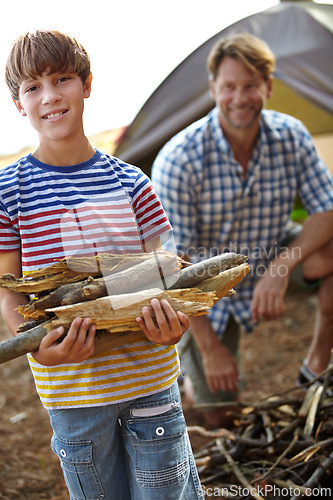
(31, 89)
(64, 79)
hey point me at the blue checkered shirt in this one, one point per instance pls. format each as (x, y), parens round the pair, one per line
(213, 207)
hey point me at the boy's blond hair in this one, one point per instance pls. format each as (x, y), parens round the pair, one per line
(250, 50)
(35, 52)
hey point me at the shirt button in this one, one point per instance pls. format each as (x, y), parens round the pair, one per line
(159, 431)
(63, 453)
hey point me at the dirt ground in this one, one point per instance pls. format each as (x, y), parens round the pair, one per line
(28, 468)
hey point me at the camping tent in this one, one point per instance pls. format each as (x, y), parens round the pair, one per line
(301, 37)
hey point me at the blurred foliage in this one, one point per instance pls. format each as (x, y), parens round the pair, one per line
(285, 100)
(298, 213)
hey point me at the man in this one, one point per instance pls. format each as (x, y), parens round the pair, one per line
(229, 182)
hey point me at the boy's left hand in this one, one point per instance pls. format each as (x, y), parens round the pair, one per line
(75, 347)
(168, 325)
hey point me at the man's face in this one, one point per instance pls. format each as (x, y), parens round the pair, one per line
(239, 94)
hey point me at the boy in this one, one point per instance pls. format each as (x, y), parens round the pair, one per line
(118, 426)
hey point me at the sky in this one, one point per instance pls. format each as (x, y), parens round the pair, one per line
(133, 45)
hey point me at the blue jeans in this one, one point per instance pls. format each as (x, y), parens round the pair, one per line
(128, 451)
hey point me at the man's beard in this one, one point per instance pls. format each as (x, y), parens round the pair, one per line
(243, 124)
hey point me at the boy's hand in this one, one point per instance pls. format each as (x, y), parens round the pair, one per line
(167, 327)
(77, 346)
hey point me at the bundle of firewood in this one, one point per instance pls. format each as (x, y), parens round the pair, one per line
(112, 289)
(280, 447)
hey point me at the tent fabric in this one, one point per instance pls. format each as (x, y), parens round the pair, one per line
(299, 33)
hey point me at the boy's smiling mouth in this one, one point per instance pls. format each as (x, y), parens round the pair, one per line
(54, 114)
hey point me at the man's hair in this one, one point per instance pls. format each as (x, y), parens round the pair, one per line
(246, 48)
(35, 52)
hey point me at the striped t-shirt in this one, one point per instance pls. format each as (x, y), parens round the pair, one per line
(102, 205)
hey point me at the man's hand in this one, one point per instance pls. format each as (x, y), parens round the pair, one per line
(77, 346)
(313, 248)
(167, 327)
(220, 366)
(220, 369)
(268, 295)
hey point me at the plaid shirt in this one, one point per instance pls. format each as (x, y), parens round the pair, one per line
(213, 207)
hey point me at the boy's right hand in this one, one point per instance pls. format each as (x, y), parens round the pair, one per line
(77, 345)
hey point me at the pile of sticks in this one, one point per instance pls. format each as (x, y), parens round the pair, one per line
(281, 447)
(112, 289)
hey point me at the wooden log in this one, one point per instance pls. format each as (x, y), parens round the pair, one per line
(324, 465)
(22, 343)
(104, 340)
(224, 281)
(118, 312)
(311, 416)
(30, 340)
(73, 269)
(313, 448)
(133, 278)
(236, 470)
(150, 273)
(192, 275)
(298, 457)
(138, 277)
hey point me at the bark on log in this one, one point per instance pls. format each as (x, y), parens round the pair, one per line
(74, 269)
(30, 340)
(133, 278)
(118, 312)
(192, 275)
(228, 270)
(22, 343)
(225, 281)
(106, 340)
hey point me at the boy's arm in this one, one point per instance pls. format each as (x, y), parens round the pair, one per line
(10, 262)
(79, 341)
(153, 245)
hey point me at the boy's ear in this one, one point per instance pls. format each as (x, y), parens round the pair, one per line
(87, 86)
(19, 107)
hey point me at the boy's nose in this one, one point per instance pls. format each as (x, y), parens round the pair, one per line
(50, 94)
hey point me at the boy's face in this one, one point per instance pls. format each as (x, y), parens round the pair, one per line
(54, 104)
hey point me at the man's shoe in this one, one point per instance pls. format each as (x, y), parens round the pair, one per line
(306, 376)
